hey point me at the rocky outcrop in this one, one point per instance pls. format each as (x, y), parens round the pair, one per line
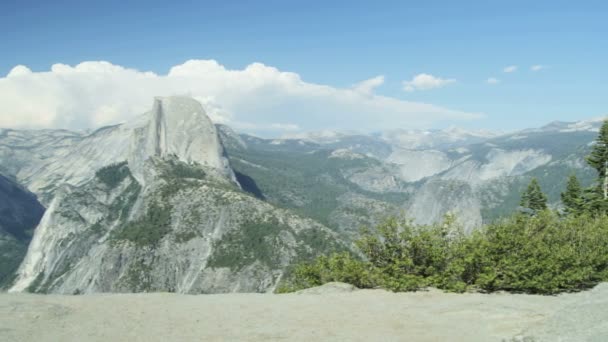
(163, 213)
(176, 126)
(20, 212)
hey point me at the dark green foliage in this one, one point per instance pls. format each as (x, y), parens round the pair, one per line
(253, 240)
(599, 152)
(34, 286)
(148, 230)
(534, 198)
(137, 277)
(410, 257)
(182, 237)
(156, 222)
(594, 198)
(315, 241)
(20, 213)
(112, 175)
(177, 169)
(20, 210)
(342, 267)
(593, 202)
(572, 198)
(542, 254)
(11, 255)
(307, 182)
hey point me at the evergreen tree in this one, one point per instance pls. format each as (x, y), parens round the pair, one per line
(598, 159)
(534, 198)
(572, 198)
(593, 202)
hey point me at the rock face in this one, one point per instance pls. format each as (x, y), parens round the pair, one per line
(163, 212)
(20, 212)
(176, 126)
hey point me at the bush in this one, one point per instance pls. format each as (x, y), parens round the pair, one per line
(409, 256)
(342, 267)
(543, 254)
(112, 175)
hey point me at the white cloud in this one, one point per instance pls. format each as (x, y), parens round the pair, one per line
(492, 80)
(538, 67)
(19, 70)
(367, 87)
(510, 68)
(260, 97)
(425, 82)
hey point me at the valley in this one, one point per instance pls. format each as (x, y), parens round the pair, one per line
(171, 202)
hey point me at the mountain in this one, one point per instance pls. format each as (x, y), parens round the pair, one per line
(20, 213)
(340, 188)
(433, 139)
(153, 205)
(42, 160)
(171, 202)
(346, 181)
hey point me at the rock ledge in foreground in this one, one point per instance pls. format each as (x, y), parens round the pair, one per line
(329, 288)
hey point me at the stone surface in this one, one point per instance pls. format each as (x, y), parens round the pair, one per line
(365, 315)
(333, 287)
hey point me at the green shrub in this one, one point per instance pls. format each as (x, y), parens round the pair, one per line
(148, 230)
(543, 254)
(256, 239)
(184, 170)
(112, 175)
(342, 267)
(410, 256)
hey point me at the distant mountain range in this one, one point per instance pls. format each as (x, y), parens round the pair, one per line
(171, 202)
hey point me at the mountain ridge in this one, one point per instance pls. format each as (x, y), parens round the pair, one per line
(171, 179)
(170, 217)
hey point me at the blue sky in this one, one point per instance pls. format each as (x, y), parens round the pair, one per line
(342, 43)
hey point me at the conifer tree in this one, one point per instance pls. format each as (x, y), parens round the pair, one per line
(534, 198)
(598, 159)
(572, 198)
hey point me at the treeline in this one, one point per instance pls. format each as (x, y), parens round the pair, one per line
(537, 250)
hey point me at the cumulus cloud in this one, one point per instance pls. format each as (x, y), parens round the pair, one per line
(538, 67)
(510, 68)
(425, 82)
(367, 87)
(257, 98)
(492, 80)
(19, 70)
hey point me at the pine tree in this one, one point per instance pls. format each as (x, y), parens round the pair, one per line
(572, 198)
(534, 198)
(598, 159)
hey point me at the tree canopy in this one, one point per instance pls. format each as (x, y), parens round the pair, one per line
(534, 198)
